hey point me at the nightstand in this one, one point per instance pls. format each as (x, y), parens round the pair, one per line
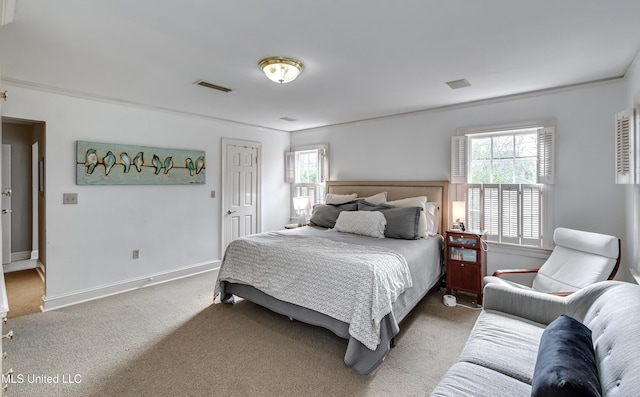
(466, 261)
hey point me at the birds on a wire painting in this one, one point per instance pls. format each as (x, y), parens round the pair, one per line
(118, 161)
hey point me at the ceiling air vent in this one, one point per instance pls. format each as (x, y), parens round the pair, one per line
(455, 84)
(213, 86)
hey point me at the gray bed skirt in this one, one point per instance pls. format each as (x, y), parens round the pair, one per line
(358, 357)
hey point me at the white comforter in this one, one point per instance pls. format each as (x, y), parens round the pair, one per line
(352, 283)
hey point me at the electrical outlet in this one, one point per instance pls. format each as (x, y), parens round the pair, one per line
(136, 254)
(69, 198)
(213, 194)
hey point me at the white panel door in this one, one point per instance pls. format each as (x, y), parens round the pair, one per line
(241, 190)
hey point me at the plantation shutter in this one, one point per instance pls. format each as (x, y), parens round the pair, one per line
(491, 206)
(459, 159)
(322, 165)
(626, 150)
(474, 205)
(531, 214)
(290, 167)
(545, 168)
(510, 221)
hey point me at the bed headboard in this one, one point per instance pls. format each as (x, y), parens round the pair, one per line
(436, 191)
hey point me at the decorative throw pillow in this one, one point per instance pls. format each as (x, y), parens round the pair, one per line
(325, 215)
(419, 201)
(379, 198)
(369, 223)
(339, 198)
(566, 363)
(402, 223)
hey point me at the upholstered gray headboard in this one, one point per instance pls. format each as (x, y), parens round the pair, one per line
(436, 191)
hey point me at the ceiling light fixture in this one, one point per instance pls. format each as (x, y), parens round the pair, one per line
(281, 70)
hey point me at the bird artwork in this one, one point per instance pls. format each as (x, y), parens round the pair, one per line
(199, 164)
(154, 166)
(138, 161)
(109, 160)
(190, 166)
(168, 164)
(126, 161)
(91, 160)
(157, 163)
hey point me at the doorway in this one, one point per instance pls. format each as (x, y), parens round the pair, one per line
(23, 217)
(240, 189)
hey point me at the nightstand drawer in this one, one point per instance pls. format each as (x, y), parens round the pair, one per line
(454, 239)
(463, 277)
(463, 254)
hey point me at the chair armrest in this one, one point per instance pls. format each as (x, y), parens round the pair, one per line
(499, 273)
(535, 306)
(560, 293)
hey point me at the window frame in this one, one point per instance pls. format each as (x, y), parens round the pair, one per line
(460, 174)
(318, 188)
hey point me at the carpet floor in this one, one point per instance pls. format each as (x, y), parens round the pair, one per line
(170, 340)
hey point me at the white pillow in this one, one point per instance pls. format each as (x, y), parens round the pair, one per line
(339, 198)
(377, 199)
(433, 218)
(366, 223)
(420, 201)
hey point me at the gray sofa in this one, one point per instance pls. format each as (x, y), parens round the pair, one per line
(500, 354)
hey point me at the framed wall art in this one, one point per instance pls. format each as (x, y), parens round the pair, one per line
(114, 164)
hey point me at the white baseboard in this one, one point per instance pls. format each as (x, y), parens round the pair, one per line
(20, 265)
(73, 298)
(20, 256)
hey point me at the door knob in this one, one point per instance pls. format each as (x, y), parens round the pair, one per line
(5, 211)
(229, 212)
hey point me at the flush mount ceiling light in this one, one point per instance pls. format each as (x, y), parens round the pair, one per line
(281, 70)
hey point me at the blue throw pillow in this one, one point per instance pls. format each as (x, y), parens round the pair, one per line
(566, 363)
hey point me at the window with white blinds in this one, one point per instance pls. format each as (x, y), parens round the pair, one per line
(505, 173)
(306, 169)
(507, 213)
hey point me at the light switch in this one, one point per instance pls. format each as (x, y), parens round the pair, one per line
(69, 198)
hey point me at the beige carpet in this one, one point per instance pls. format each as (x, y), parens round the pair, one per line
(169, 340)
(25, 289)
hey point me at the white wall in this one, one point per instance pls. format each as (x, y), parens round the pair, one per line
(89, 245)
(632, 231)
(417, 147)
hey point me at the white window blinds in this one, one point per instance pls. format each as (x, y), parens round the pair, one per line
(458, 159)
(511, 213)
(627, 141)
(545, 155)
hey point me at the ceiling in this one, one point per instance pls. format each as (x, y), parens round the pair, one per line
(363, 59)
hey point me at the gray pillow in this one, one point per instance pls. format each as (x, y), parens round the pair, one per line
(325, 215)
(402, 222)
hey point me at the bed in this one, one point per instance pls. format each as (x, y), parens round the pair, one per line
(387, 296)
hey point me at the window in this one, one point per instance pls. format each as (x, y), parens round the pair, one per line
(306, 169)
(507, 175)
